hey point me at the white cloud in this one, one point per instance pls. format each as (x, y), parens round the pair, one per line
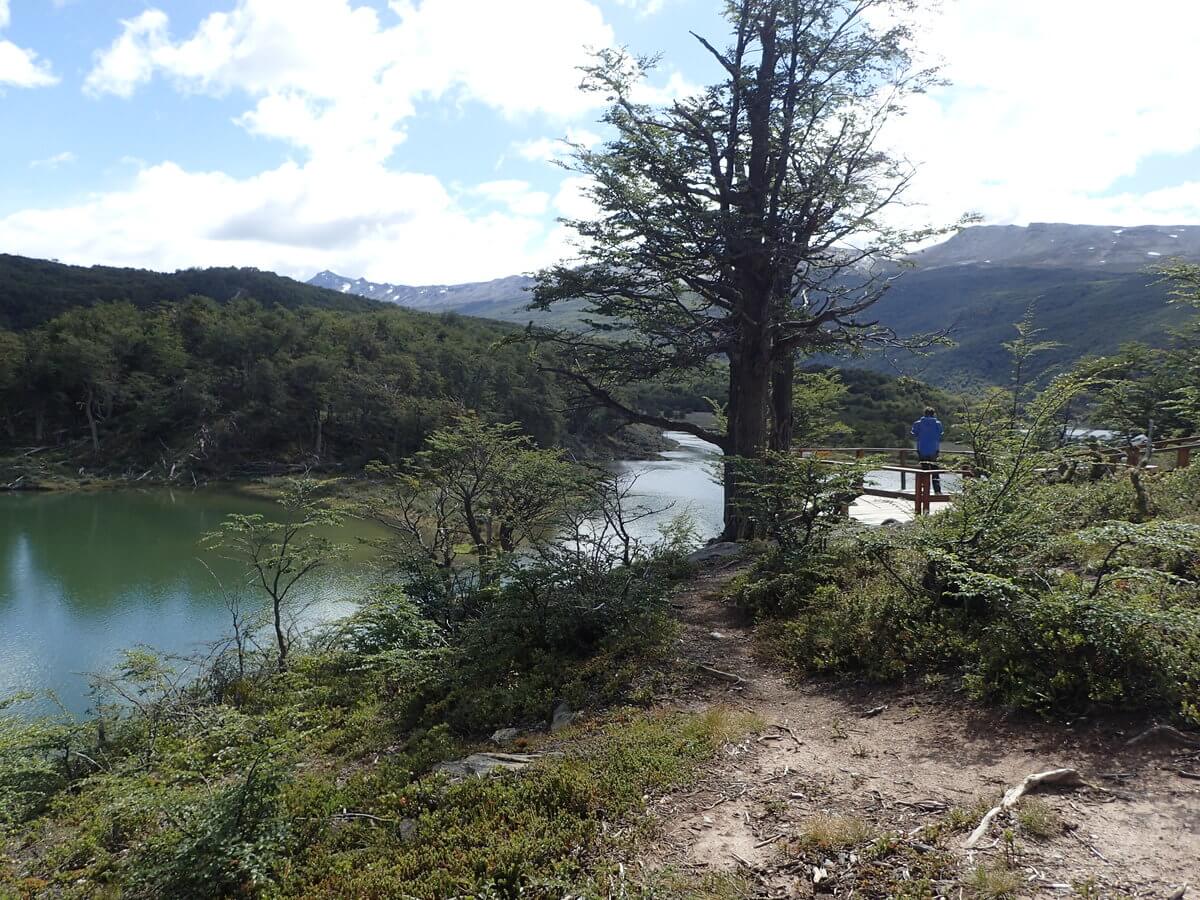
(676, 88)
(298, 219)
(573, 200)
(518, 196)
(20, 67)
(550, 149)
(341, 79)
(643, 7)
(132, 58)
(1051, 103)
(53, 162)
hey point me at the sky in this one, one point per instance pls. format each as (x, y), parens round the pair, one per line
(415, 141)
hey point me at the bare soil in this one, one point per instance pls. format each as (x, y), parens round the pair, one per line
(899, 758)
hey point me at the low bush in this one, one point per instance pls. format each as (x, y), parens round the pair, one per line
(1050, 605)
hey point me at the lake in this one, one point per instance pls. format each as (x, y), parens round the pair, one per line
(680, 483)
(85, 575)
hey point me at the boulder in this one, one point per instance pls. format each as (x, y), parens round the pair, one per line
(562, 716)
(503, 736)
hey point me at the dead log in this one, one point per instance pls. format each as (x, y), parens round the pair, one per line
(1067, 777)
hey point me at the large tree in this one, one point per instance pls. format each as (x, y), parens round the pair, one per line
(745, 222)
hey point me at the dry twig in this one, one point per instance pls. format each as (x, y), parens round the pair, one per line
(1069, 777)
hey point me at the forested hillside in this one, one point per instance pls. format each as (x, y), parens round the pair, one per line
(217, 388)
(1084, 312)
(33, 291)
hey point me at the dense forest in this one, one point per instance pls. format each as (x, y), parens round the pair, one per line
(33, 291)
(214, 388)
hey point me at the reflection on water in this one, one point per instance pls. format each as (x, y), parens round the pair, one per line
(683, 481)
(83, 576)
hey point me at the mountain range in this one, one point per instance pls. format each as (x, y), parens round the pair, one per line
(1091, 288)
(1090, 285)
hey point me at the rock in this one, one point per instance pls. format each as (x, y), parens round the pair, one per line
(486, 763)
(407, 829)
(722, 550)
(562, 716)
(504, 736)
(716, 635)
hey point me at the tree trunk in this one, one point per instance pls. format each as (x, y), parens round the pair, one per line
(319, 443)
(783, 376)
(280, 637)
(91, 420)
(749, 397)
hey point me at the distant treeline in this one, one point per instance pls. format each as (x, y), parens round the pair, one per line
(217, 388)
(33, 291)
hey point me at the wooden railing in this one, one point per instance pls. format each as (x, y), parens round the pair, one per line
(922, 494)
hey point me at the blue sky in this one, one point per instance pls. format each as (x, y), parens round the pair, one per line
(411, 140)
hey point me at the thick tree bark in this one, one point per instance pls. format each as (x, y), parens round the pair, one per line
(749, 397)
(783, 375)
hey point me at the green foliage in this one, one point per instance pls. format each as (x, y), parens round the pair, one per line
(207, 389)
(475, 491)
(533, 834)
(1159, 383)
(33, 291)
(817, 399)
(278, 555)
(1050, 594)
(226, 842)
(797, 503)
(35, 760)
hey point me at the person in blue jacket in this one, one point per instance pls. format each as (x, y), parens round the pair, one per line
(928, 432)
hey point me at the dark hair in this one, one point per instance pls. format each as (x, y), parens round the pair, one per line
(930, 411)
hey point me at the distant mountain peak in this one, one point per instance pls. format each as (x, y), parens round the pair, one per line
(1057, 245)
(504, 298)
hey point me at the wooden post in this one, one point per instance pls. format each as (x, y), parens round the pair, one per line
(922, 493)
(859, 453)
(903, 475)
(1183, 457)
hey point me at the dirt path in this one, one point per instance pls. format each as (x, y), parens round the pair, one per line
(820, 762)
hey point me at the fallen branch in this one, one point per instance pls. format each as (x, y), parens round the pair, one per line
(1167, 733)
(792, 734)
(769, 840)
(1096, 853)
(1068, 777)
(736, 679)
(713, 806)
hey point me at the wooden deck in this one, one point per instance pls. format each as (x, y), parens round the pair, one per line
(871, 510)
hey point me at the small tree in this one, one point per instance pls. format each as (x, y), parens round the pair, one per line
(477, 491)
(278, 556)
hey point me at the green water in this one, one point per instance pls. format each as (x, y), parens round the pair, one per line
(83, 576)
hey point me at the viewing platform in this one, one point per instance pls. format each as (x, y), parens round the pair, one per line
(897, 493)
